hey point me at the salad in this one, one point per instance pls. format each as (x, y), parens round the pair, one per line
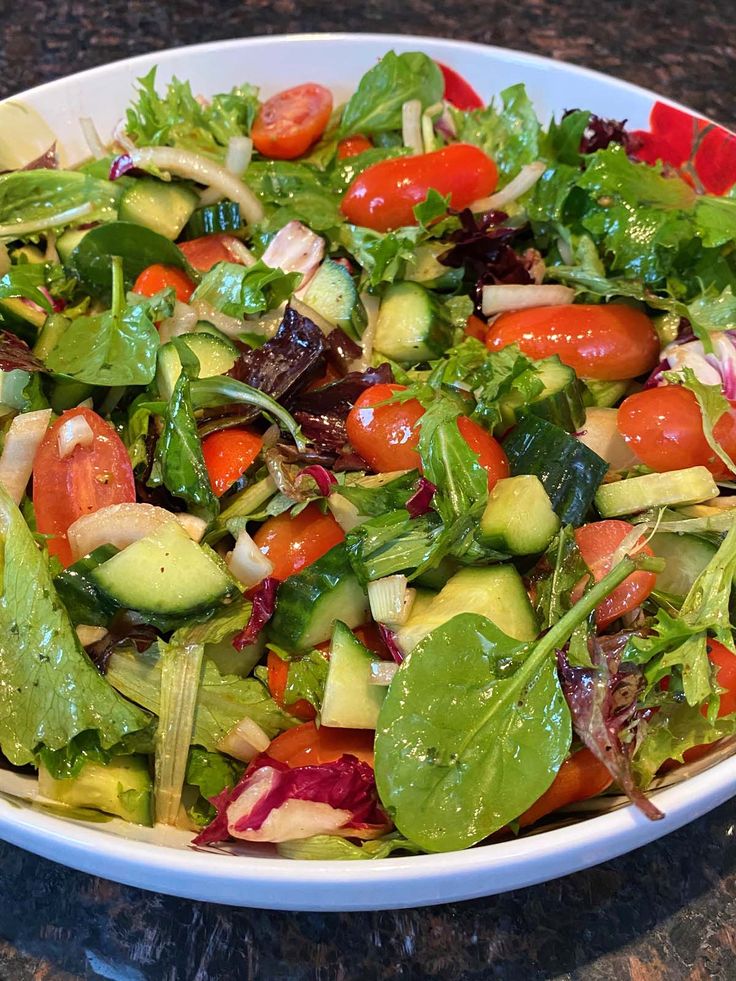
(367, 470)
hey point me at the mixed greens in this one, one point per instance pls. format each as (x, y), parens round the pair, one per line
(366, 474)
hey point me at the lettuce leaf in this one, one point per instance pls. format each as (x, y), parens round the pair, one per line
(296, 191)
(51, 690)
(34, 195)
(510, 135)
(238, 290)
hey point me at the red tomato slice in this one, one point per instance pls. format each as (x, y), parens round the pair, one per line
(664, 427)
(205, 252)
(89, 478)
(476, 328)
(227, 455)
(457, 91)
(278, 675)
(290, 122)
(490, 454)
(351, 146)
(384, 195)
(598, 543)
(158, 277)
(581, 776)
(609, 342)
(293, 543)
(306, 745)
(386, 437)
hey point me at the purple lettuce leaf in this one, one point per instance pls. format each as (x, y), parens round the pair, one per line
(264, 604)
(341, 350)
(420, 501)
(16, 354)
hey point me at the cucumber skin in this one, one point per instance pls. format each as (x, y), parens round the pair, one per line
(519, 518)
(296, 624)
(221, 217)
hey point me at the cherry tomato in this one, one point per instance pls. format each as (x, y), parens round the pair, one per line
(205, 252)
(157, 277)
(581, 776)
(293, 543)
(227, 455)
(287, 124)
(490, 455)
(386, 437)
(598, 543)
(476, 328)
(457, 91)
(664, 427)
(307, 745)
(89, 478)
(351, 146)
(609, 342)
(384, 195)
(370, 636)
(278, 676)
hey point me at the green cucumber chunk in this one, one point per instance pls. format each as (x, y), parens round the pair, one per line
(310, 602)
(216, 356)
(604, 393)
(165, 573)
(332, 294)
(496, 592)
(122, 787)
(424, 267)
(163, 207)
(67, 243)
(654, 490)
(410, 325)
(686, 557)
(350, 700)
(519, 517)
(560, 401)
(221, 217)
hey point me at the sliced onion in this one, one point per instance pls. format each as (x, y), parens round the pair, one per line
(203, 171)
(121, 137)
(411, 125)
(497, 299)
(390, 600)
(92, 137)
(524, 181)
(239, 252)
(228, 325)
(51, 255)
(21, 443)
(295, 248)
(49, 221)
(382, 673)
(88, 634)
(238, 156)
(4, 259)
(245, 740)
(117, 524)
(73, 433)
(371, 304)
(194, 527)
(183, 320)
(344, 512)
(600, 434)
(247, 562)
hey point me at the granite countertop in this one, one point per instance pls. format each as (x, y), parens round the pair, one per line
(667, 911)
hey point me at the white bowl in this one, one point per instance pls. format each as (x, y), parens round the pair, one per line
(162, 859)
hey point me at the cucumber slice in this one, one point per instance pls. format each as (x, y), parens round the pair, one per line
(216, 356)
(604, 393)
(310, 602)
(559, 402)
(569, 471)
(411, 326)
(686, 557)
(23, 320)
(67, 393)
(496, 592)
(12, 386)
(332, 294)
(163, 207)
(654, 490)
(425, 268)
(221, 217)
(165, 573)
(122, 787)
(350, 700)
(519, 518)
(67, 243)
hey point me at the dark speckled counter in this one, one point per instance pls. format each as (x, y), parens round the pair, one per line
(667, 911)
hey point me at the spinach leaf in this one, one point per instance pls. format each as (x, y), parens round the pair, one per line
(28, 196)
(510, 135)
(238, 290)
(220, 390)
(375, 106)
(25, 281)
(51, 690)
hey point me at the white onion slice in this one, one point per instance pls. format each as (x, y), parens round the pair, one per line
(600, 434)
(4, 259)
(48, 221)
(238, 156)
(21, 443)
(183, 320)
(382, 673)
(73, 433)
(411, 125)
(92, 137)
(120, 136)
(497, 299)
(390, 600)
(194, 527)
(524, 181)
(247, 562)
(203, 171)
(239, 252)
(88, 634)
(228, 325)
(371, 304)
(344, 512)
(245, 740)
(295, 248)
(117, 524)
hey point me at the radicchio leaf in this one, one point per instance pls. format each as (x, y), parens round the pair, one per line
(603, 705)
(46, 161)
(121, 165)
(389, 639)
(16, 354)
(124, 629)
(264, 604)
(420, 501)
(321, 476)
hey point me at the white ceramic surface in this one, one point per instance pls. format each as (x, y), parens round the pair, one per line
(162, 860)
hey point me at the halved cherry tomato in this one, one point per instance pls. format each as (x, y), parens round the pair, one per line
(581, 776)
(384, 195)
(598, 543)
(158, 277)
(293, 543)
(227, 455)
(490, 454)
(664, 427)
(287, 124)
(278, 675)
(610, 342)
(351, 146)
(89, 478)
(386, 437)
(205, 252)
(476, 328)
(457, 91)
(306, 745)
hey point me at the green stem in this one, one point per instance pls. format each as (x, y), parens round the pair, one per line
(218, 391)
(118, 287)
